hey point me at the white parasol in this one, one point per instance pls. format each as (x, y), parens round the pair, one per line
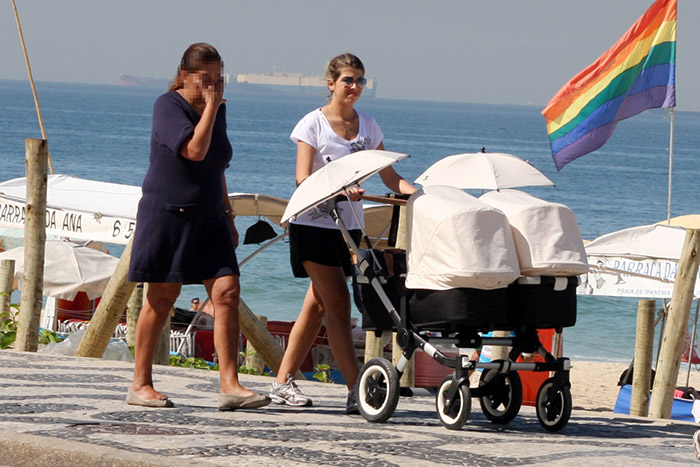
(337, 176)
(483, 170)
(69, 268)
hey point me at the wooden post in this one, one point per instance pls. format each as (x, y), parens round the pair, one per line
(373, 346)
(500, 352)
(36, 153)
(7, 274)
(558, 350)
(676, 327)
(105, 319)
(408, 376)
(253, 359)
(162, 355)
(401, 230)
(693, 342)
(133, 308)
(643, 351)
(266, 346)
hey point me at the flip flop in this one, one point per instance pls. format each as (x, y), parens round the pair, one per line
(233, 402)
(133, 399)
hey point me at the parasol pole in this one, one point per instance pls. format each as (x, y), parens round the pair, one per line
(31, 82)
(670, 166)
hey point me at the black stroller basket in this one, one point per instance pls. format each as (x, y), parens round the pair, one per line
(390, 266)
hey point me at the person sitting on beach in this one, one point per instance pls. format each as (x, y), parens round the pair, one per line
(205, 318)
(317, 248)
(185, 225)
(194, 304)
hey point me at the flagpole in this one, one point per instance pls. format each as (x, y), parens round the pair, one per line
(670, 166)
(31, 81)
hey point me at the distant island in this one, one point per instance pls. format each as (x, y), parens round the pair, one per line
(129, 80)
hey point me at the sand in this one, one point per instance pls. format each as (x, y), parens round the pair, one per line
(594, 384)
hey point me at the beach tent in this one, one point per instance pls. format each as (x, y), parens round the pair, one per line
(100, 211)
(76, 208)
(639, 262)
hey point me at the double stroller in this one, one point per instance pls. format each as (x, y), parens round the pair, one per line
(506, 261)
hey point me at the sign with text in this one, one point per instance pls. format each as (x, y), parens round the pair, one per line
(69, 223)
(624, 277)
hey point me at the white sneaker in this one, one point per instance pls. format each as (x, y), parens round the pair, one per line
(289, 393)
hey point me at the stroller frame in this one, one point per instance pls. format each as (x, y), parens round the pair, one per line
(499, 390)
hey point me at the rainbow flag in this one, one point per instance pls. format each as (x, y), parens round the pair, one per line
(635, 74)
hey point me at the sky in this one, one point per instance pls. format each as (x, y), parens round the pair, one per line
(496, 52)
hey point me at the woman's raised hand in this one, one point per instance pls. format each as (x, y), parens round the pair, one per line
(213, 93)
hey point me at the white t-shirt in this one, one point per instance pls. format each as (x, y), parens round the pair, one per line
(315, 130)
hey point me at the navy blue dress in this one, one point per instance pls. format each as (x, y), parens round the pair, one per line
(182, 233)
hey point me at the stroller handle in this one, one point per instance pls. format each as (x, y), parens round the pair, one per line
(385, 199)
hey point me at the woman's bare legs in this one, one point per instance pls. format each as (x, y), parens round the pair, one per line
(160, 298)
(301, 337)
(224, 293)
(331, 290)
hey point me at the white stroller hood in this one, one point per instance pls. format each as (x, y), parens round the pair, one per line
(454, 240)
(546, 234)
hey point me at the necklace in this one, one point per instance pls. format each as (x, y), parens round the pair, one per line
(345, 128)
(350, 128)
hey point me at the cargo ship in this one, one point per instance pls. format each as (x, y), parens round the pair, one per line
(260, 83)
(291, 83)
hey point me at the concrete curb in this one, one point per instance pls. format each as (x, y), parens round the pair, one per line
(23, 449)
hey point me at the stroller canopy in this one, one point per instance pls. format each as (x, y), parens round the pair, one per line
(546, 234)
(454, 240)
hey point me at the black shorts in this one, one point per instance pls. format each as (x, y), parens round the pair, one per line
(321, 246)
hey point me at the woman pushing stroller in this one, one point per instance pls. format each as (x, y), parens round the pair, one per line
(317, 248)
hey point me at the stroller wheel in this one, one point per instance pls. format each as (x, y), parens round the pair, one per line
(503, 395)
(378, 390)
(454, 417)
(553, 410)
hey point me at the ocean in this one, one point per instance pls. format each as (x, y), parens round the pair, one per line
(102, 132)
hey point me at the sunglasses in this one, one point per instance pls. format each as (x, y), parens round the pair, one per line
(349, 81)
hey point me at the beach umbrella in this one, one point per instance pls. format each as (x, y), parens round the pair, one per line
(483, 170)
(255, 204)
(337, 176)
(69, 268)
(689, 221)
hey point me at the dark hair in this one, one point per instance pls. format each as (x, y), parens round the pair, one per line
(192, 60)
(342, 61)
(195, 298)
